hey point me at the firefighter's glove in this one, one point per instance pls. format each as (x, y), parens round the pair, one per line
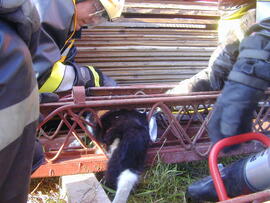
(89, 76)
(197, 83)
(234, 109)
(48, 97)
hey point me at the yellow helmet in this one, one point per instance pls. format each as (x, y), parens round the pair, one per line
(113, 8)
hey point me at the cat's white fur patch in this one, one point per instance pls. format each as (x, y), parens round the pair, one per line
(113, 146)
(126, 181)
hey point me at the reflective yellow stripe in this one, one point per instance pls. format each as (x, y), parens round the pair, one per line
(96, 76)
(240, 12)
(55, 79)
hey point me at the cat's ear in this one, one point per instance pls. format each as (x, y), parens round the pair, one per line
(153, 128)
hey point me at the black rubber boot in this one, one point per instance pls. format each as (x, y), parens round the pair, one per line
(233, 178)
(202, 190)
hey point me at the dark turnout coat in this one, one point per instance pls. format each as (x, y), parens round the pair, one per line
(56, 18)
(19, 105)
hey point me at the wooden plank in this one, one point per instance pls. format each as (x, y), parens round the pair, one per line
(175, 1)
(154, 25)
(131, 59)
(147, 43)
(188, 2)
(101, 31)
(173, 5)
(160, 23)
(146, 64)
(166, 20)
(148, 37)
(178, 12)
(148, 48)
(144, 78)
(152, 73)
(118, 54)
(157, 78)
(170, 78)
(153, 68)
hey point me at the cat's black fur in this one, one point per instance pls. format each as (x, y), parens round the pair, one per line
(132, 130)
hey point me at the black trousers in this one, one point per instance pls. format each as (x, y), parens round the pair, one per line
(15, 167)
(19, 111)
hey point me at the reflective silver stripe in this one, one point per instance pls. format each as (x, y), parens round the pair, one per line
(11, 3)
(255, 54)
(248, 80)
(257, 170)
(68, 79)
(262, 9)
(13, 119)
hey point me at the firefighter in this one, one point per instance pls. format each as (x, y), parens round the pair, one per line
(236, 19)
(56, 70)
(19, 105)
(61, 22)
(233, 113)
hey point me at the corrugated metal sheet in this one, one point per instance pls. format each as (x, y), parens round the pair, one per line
(154, 42)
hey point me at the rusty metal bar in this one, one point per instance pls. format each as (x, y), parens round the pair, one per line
(182, 120)
(258, 197)
(75, 164)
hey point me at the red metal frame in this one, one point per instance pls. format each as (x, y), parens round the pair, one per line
(213, 164)
(182, 130)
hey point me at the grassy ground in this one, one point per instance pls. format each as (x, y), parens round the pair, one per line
(161, 183)
(165, 183)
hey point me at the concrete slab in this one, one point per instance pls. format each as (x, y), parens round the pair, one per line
(82, 188)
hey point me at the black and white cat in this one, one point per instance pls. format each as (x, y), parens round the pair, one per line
(126, 135)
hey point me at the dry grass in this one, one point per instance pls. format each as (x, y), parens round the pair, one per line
(164, 183)
(161, 183)
(45, 190)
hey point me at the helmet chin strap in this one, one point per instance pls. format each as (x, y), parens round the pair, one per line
(73, 24)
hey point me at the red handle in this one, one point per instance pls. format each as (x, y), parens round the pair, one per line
(212, 160)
